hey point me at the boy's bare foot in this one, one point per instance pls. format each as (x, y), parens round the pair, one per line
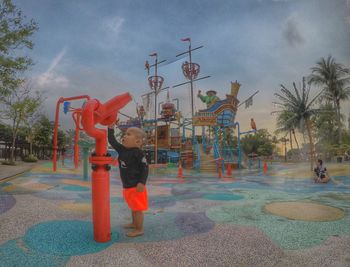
(134, 233)
(129, 226)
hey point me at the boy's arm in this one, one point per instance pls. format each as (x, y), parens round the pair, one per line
(113, 142)
(143, 168)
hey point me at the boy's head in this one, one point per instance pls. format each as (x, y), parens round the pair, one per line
(133, 137)
(319, 162)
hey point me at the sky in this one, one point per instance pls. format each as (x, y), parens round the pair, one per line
(99, 48)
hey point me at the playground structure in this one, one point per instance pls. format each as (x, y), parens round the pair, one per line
(174, 137)
(218, 121)
(92, 113)
(216, 149)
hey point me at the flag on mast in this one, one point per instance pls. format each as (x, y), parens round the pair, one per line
(249, 102)
(186, 39)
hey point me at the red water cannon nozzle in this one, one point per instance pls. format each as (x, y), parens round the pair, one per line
(106, 113)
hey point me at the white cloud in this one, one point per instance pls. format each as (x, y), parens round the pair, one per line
(113, 24)
(50, 77)
(347, 18)
(292, 31)
(110, 30)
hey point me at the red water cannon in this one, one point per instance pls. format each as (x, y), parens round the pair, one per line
(93, 113)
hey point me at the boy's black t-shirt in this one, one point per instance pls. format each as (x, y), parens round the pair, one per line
(132, 163)
(320, 171)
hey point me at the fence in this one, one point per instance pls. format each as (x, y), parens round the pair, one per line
(22, 151)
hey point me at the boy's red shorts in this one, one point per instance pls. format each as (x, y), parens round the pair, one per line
(137, 201)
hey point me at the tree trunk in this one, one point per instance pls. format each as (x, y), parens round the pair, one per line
(312, 158)
(12, 154)
(296, 142)
(295, 139)
(339, 121)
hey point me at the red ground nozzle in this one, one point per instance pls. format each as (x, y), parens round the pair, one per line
(229, 170)
(265, 167)
(180, 171)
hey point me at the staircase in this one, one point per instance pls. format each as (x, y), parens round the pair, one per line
(187, 159)
(208, 164)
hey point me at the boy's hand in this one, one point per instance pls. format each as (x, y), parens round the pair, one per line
(112, 125)
(140, 187)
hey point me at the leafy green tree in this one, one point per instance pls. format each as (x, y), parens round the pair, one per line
(259, 143)
(14, 36)
(29, 128)
(70, 136)
(61, 138)
(274, 141)
(335, 80)
(5, 133)
(346, 140)
(43, 132)
(17, 107)
(287, 124)
(298, 104)
(326, 125)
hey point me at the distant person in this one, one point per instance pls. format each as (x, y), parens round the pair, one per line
(320, 173)
(134, 173)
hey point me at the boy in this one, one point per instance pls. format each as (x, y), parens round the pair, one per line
(321, 175)
(133, 172)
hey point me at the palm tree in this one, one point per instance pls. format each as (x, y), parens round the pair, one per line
(286, 124)
(299, 109)
(334, 78)
(326, 124)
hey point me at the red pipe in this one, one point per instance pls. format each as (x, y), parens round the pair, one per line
(93, 112)
(89, 120)
(61, 100)
(100, 176)
(76, 117)
(55, 134)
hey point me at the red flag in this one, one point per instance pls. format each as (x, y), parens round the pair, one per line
(152, 55)
(186, 39)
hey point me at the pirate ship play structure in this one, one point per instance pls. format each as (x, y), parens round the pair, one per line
(171, 137)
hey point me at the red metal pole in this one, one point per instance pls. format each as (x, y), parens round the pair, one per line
(93, 113)
(54, 159)
(76, 137)
(100, 176)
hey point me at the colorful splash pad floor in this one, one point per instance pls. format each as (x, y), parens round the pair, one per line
(278, 219)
